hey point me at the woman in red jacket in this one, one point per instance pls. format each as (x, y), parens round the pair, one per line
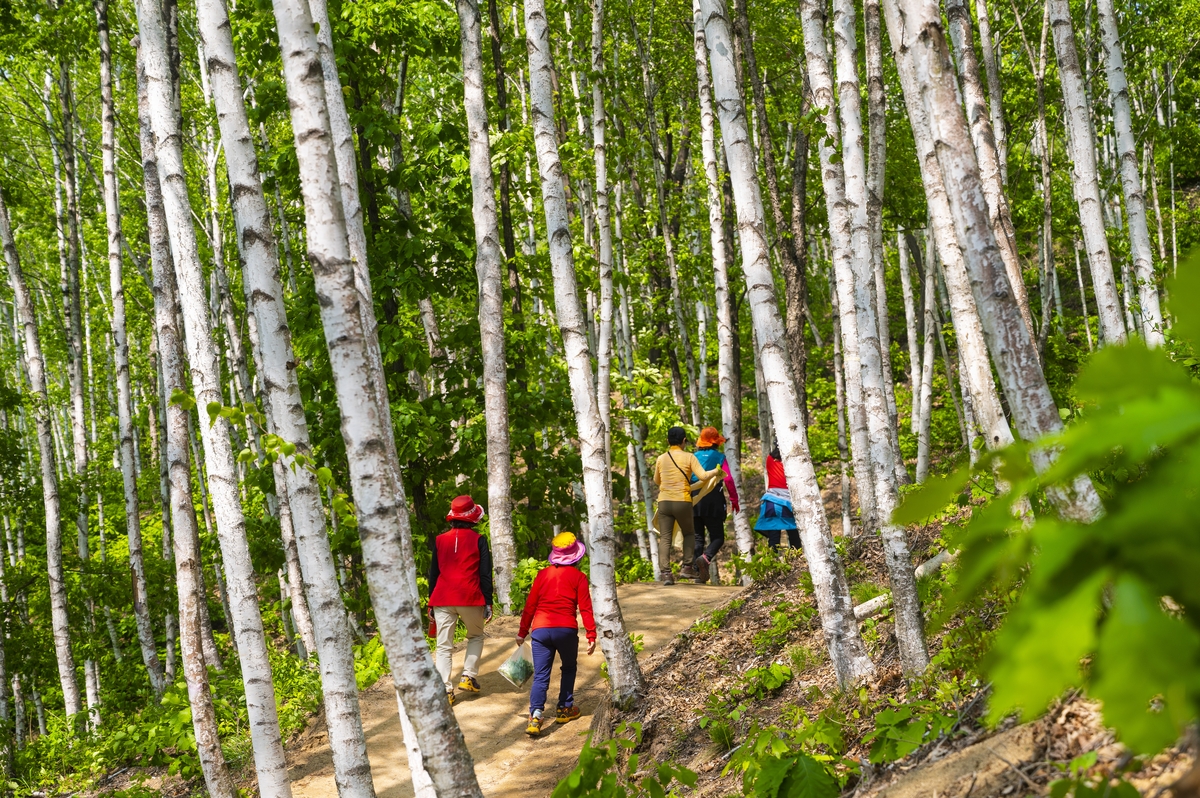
(558, 591)
(460, 586)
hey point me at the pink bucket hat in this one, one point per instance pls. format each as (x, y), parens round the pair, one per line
(567, 550)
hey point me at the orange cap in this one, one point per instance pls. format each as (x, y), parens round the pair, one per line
(710, 437)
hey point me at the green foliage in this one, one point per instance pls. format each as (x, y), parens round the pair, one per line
(786, 618)
(1079, 785)
(1106, 606)
(522, 580)
(370, 662)
(632, 568)
(599, 775)
(764, 563)
(715, 620)
(903, 728)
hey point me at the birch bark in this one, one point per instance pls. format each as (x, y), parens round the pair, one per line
(910, 327)
(860, 279)
(985, 401)
(604, 348)
(816, 52)
(264, 296)
(1131, 182)
(1081, 143)
(269, 759)
(983, 134)
(919, 44)
(625, 674)
(112, 215)
(350, 336)
(995, 96)
(488, 256)
(35, 369)
(181, 507)
(846, 649)
(729, 383)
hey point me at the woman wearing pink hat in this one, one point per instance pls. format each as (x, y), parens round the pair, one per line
(460, 586)
(558, 592)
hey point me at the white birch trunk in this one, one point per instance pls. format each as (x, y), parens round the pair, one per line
(1081, 144)
(729, 383)
(986, 149)
(189, 567)
(921, 52)
(604, 348)
(995, 96)
(985, 402)
(1131, 182)
(350, 336)
(816, 50)
(327, 632)
(269, 759)
(35, 369)
(839, 386)
(910, 327)
(909, 625)
(926, 386)
(488, 256)
(112, 215)
(625, 674)
(846, 648)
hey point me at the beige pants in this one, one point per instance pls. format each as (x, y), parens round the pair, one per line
(446, 619)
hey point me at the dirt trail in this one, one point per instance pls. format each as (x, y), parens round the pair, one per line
(507, 762)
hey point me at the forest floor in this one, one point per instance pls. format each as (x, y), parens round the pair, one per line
(507, 762)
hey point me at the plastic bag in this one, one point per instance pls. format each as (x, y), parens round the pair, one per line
(518, 668)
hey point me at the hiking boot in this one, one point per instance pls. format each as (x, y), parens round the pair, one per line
(701, 569)
(567, 714)
(469, 684)
(667, 578)
(686, 572)
(534, 729)
(450, 697)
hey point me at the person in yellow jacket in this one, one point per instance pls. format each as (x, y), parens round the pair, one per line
(673, 473)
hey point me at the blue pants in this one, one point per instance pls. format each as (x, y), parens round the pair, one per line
(545, 642)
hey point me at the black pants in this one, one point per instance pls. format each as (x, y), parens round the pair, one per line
(715, 526)
(773, 536)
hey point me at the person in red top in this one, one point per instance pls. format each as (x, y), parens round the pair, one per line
(460, 586)
(775, 513)
(559, 590)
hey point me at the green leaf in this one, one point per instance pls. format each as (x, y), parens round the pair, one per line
(769, 777)
(1143, 663)
(1037, 654)
(1184, 293)
(214, 410)
(324, 476)
(932, 498)
(808, 779)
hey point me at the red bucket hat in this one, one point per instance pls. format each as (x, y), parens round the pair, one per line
(464, 508)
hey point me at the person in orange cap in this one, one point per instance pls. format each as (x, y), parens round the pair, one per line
(711, 510)
(460, 586)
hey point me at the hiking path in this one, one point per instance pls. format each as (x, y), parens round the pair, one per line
(508, 763)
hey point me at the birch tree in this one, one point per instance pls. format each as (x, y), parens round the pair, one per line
(846, 649)
(604, 347)
(625, 675)
(729, 381)
(350, 336)
(1081, 144)
(1131, 181)
(488, 256)
(35, 370)
(269, 759)
(264, 296)
(120, 353)
(189, 583)
(919, 44)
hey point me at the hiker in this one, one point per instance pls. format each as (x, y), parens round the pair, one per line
(559, 590)
(775, 512)
(673, 473)
(460, 587)
(711, 509)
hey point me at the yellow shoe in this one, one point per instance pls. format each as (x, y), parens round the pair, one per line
(469, 684)
(567, 714)
(450, 697)
(534, 729)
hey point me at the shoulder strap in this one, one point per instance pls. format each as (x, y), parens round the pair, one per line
(686, 479)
